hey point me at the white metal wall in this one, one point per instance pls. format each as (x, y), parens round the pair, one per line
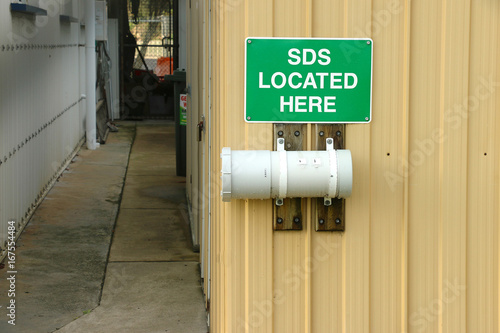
(41, 111)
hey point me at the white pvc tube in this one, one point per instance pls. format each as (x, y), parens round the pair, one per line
(91, 77)
(250, 179)
(345, 173)
(263, 174)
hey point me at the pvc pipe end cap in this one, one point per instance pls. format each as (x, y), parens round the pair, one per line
(344, 161)
(226, 174)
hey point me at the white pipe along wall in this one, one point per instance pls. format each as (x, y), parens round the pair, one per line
(91, 76)
(264, 174)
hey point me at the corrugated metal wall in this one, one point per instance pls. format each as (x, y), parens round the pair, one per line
(420, 251)
(41, 112)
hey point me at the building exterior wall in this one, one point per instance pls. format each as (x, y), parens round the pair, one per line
(420, 251)
(42, 76)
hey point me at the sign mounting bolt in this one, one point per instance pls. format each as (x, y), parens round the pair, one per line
(321, 133)
(248, 118)
(250, 41)
(367, 118)
(337, 221)
(297, 133)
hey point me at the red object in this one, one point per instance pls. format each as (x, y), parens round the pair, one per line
(139, 72)
(163, 66)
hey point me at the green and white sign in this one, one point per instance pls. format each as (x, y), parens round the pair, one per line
(183, 110)
(308, 80)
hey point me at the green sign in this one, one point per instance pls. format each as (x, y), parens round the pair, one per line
(308, 80)
(183, 110)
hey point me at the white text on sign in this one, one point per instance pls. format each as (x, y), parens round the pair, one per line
(311, 80)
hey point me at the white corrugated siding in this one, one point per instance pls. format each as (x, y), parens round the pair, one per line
(41, 112)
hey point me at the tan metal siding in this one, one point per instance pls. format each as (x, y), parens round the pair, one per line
(481, 228)
(420, 252)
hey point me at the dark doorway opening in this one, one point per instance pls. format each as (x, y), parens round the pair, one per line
(149, 42)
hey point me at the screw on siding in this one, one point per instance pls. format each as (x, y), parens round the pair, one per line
(297, 133)
(329, 141)
(296, 220)
(280, 133)
(279, 220)
(321, 133)
(337, 221)
(321, 221)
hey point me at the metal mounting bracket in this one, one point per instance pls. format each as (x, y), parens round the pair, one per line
(329, 212)
(287, 212)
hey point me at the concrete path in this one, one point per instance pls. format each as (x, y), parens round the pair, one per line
(151, 280)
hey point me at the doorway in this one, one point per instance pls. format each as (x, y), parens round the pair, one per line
(150, 51)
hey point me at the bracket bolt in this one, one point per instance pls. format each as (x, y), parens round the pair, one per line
(279, 220)
(321, 221)
(296, 220)
(321, 133)
(280, 133)
(297, 133)
(281, 141)
(279, 202)
(337, 221)
(338, 133)
(289, 145)
(329, 141)
(327, 203)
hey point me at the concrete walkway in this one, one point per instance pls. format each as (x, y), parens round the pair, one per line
(151, 280)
